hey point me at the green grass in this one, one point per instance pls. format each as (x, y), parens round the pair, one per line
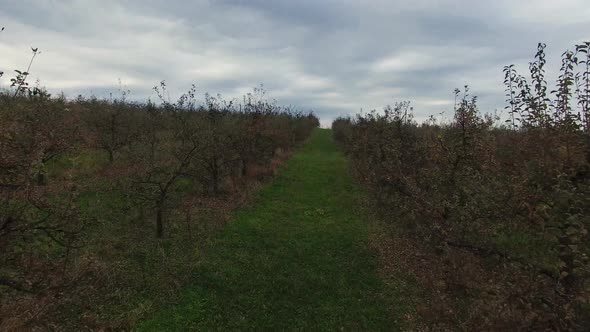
(297, 259)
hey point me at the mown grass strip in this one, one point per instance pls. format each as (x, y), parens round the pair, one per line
(297, 259)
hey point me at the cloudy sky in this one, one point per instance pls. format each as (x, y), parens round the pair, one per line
(332, 56)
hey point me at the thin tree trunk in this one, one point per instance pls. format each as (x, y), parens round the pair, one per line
(244, 168)
(188, 225)
(41, 181)
(215, 176)
(159, 221)
(66, 261)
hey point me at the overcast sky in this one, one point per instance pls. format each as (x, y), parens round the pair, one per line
(334, 57)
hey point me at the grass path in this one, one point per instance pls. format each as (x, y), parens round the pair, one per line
(297, 259)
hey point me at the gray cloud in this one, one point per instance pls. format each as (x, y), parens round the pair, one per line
(333, 56)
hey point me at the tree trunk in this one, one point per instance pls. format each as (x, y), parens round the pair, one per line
(244, 168)
(141, 214)
(111, 156)
(41, 181)
(188, 225)
(215, 177)
(159, 221)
